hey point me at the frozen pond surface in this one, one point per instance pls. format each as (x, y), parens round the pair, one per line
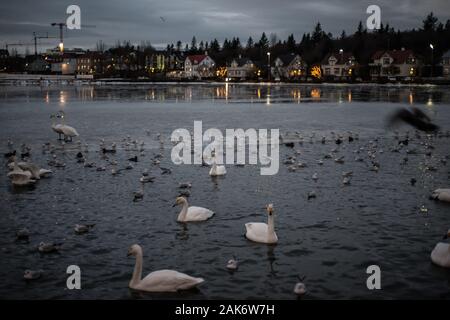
(331, 239)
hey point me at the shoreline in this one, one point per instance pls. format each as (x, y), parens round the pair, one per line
(71, 80)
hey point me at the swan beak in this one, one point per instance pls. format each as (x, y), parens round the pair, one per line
(128, 254)
(174, 205)
(445, 237)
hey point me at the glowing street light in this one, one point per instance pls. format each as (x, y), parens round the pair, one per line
(268, 66)
(432, 58)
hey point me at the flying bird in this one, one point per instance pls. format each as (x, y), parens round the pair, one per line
(162, 19)
(414, 117)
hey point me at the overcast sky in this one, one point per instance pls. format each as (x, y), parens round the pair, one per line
(140, 20)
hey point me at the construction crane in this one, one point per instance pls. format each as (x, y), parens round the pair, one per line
(36, 37)
(61, 25)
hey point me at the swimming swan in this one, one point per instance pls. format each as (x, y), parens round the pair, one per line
(36, 171)
(441, 194)
(161, 280)
(20, 177)
(441, 253)
(262, 232)
(217, 170)
(188, 214)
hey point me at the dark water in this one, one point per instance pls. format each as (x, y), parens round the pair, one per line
(331, 239)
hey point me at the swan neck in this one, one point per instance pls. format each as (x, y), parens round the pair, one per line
(183, 212)
(271, 224)
(137, 273)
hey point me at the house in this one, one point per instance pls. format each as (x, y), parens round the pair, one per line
(394, 64)
(90, 63)
(163, 61)
(340, 65)
(288, 66)
(37, 64)
(446, 64)
(199, 66)
(65, 63)
(241, 69)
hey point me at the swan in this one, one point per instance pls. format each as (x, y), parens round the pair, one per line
(441, 253)
(188, 214)
(56, 126)
(36, 172)
(217, 170)
(441, 194)
(68, 131)
(20, 177)
(262, 232)
(161, 280)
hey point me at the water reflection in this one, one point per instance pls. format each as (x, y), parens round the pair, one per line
(234, 93)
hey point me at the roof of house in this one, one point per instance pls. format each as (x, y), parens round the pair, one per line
(342, 58)
(196, 59)
(242, 61)
(287, 58)
(399, 56)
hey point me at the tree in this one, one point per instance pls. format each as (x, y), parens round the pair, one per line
(179, 44)
(290, 43)
(263, 42)
(343, 35)
(215, 46)
(194, 44)
(250, 43)
(360, 29)
(273, 39)
(318, 33)
(429, 24)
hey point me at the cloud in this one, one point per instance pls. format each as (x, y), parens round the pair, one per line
(139, 20)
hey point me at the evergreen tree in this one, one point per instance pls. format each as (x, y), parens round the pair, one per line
(264, 42)
(250, 43)
(429, 24)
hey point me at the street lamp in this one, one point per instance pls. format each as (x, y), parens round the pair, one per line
(268, 65)
(432, 54)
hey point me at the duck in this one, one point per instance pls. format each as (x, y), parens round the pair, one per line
(191, 214)
(217, 170)
(48, 247)
(83, 228)
(441, 194)
(232, 264)
(262, 232)
(32, 274)
(300, 288)
(441, 253)
(161, 280)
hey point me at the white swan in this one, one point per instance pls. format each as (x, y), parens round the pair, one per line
(56, 127)
(441, 194)
(68, 131)
(20, 177)
(262, 232)
(36, 172)
(161, 280)
(217, 170)
(188, 214)
(441, 253)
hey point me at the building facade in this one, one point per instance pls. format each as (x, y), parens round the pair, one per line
(340, 65)
(241, 69)
(288, 67)
(199, 67)
(399, 64)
